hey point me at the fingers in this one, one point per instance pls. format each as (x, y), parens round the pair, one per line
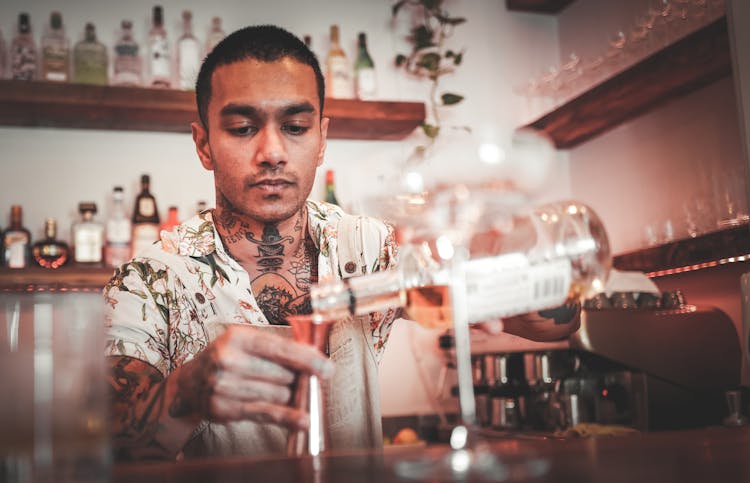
(223, 410)
(253, 367)
(248, 390)
(282, 351)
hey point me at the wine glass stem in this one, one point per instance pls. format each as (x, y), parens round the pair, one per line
(462, 340)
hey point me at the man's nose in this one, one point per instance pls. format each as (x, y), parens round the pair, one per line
(271, 151)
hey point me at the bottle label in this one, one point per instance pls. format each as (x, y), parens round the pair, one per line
(508, 285)
(55, 61)
(88, 243)
(118, 231)
(366, 83)
(15, 250)
(189, 56)
(160, 58)
(146, 207)
(144, 235)
(339, 77)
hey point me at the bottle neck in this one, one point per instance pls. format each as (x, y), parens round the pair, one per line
(358, 295)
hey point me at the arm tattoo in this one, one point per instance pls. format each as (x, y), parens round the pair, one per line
(137, 397)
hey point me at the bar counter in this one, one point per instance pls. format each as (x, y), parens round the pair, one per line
(715, 454)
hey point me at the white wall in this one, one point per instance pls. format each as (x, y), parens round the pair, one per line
(49, 171)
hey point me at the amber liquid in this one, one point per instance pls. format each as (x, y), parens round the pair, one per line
(430, 306)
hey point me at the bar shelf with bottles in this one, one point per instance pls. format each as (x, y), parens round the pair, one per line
(50, 104)
(71, 277)
(695, 61)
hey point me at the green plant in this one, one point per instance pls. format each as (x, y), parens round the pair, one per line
(430, 59)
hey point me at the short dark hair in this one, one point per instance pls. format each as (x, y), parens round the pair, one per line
(265, 43)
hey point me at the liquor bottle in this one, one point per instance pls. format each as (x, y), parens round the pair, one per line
(145, 218)
(544, 257)
(159, 63)
(50, 252)
(364, 71)
(188, 54)
(87, 236)
(90, 59)
(215, 35)
(55, 51)
(128, 65)
(23, 53)
(172, 219)
(330, 188)
(338, 70)
(16, 241)
(117, 249)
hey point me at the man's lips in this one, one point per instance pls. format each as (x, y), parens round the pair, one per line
(272, 185)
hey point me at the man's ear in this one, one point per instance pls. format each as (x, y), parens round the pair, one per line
(323, 139)
(200, 138)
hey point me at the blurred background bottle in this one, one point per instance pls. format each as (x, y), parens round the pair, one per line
(172, 220)
(87, 236)
(215, 35)
(330, 196)
(159, 63)
(118, 231)
(55, 51)
(23, 53)
(90, 63)
(364, 71)
(189, 54)
(50, 252)
(16, 241)
(338, 69)
(128, 65)
(145, 218)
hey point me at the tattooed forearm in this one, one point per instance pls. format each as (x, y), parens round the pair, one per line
(137, 397)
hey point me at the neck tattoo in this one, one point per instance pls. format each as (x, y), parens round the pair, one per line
(270, 248)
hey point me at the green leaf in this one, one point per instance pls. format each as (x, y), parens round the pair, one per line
(139, 293)
(449, 99)
(449, 53)
(430, 130)
(458, 58)
(400, 60)
(455, 21)
(422, 37)
(396, 7)
(429, 61)
(431, 4)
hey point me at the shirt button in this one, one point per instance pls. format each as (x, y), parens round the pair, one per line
(350, 267)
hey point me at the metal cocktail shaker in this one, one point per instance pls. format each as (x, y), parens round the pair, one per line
(308, 394)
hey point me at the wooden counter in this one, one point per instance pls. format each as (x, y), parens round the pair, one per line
(707, 455)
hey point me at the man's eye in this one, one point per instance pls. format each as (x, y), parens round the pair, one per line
(242, 130)
(296, 130)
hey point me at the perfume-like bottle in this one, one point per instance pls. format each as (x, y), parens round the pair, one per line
(55, 51)
(128, 65)
(90, 59)
(188, 54)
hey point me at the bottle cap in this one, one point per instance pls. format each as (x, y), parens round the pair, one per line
(158, 16)
(126, 24)
(15, 212)
(24, 25)
(85, 206)
(329, 176)
(55, 20)
(145, 179)
(50, 227)
(187, 15)
(334, 33)
(362, 38)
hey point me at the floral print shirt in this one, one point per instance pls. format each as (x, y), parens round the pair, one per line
(159, 303)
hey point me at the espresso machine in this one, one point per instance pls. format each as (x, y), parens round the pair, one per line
(649, 367)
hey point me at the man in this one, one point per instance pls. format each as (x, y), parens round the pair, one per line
(200, 361)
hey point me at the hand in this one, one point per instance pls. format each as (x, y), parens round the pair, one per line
(246, 374)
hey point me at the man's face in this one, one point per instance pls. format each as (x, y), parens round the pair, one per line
(265, 138)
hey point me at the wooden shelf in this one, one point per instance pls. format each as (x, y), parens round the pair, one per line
(724, 246)
(72, 277)
(537, 6)
(47, 104)
(689, 64)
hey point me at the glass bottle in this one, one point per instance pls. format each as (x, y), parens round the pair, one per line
(338, 70)
(50, 252)
(364, 71)
(128, 65)
(23, 53)
(90, 59)
(534, 260)
(330, 188)
(215, 35)
(159, 63)
(188, 54)
(172, 220)
(117, 249)
(145, 218)
(16, 241)
(87, 236)
(55, 51)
